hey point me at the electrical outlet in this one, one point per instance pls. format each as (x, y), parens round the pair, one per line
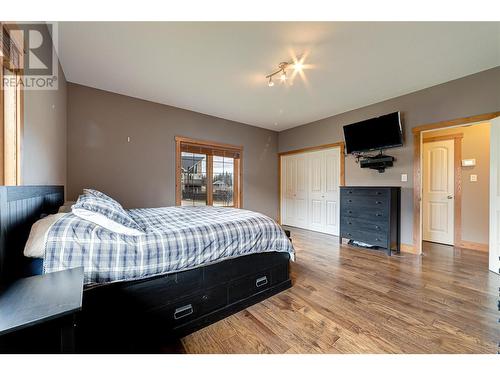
(404, 177)
(473, 178)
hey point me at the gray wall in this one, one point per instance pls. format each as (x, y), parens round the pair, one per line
(475, 195)
(142, 173)
(43, 155)
(475, 94)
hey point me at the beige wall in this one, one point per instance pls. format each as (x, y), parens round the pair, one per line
(43, 155)
(475, 94)
(142, 173)
(475, 195)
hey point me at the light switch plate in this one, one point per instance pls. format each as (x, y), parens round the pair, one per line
(473, 178)
(404, 177)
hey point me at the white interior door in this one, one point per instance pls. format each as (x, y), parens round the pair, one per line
(332, 191)
(317, 191)
(300, 196)
(438, 191)
(494, 263)
(289, 164)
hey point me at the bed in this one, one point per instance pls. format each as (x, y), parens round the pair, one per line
(164, 296)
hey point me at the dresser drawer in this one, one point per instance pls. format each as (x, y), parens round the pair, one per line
(352, 223)
(376, 239)
(364, 213)
(364, 201)
(364, 192)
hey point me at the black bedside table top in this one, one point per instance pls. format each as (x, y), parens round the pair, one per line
(38, 299)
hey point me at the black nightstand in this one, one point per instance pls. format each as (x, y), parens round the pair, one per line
(49, 300)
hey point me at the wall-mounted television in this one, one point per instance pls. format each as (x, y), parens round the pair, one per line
(374, 134)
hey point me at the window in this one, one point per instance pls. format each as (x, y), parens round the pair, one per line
(11, 118)
(207, 173)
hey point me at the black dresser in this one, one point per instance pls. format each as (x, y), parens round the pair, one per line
(371, 215)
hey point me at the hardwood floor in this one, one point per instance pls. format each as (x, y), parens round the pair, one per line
(347, 300)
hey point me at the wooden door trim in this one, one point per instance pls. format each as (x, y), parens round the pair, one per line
(238, 169)
(457, 181)
(417, 172)
(340, 145)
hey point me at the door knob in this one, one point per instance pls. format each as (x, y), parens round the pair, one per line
(450, 197)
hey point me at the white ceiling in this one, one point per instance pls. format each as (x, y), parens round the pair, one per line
(219, 68)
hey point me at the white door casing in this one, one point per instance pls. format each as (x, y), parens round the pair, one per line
(494, 246)
(438, 191)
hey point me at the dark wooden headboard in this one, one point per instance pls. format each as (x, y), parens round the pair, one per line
(20, 207)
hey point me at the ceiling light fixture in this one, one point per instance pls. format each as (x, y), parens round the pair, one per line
(283, 76)
(281, 71)
(298, 66)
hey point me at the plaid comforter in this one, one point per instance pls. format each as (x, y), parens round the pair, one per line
(176, 239)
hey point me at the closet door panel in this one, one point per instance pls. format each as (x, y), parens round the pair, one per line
(332, 191)
(290, 178)
(301, 217)
(317, 191)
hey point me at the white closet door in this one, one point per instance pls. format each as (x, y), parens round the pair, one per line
(310, 190)
(289, 168)
(300, 197)
(317, 191)
(332, 191)
(494, 262)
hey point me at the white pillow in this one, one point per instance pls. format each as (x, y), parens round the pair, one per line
(105, 222)
(66, 207)
(35, 246)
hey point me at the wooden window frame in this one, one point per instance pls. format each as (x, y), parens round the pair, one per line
(238, 168)
(19, 119)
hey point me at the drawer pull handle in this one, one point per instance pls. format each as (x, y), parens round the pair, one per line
(350, 191)
(350, 212)
(350, 200)
(261, 281)
(349, 223)
(378, 192)
(378, 202)
(378, 214)
(183, 311)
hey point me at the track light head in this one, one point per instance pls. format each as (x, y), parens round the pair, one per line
(270, 83)
(283, 76)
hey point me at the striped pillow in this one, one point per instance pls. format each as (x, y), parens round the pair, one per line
(106, 213)
(99, 194)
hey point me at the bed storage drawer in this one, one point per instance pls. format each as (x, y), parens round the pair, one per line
(187, 309)
(256, 283)
(165, 288)
(249, 285)
(245, 265)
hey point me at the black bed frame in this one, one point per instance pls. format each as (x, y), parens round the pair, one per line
(142, 315)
